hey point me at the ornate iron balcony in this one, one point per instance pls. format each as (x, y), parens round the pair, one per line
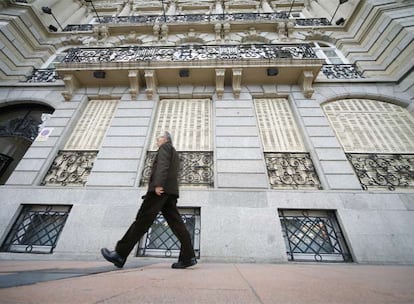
(196, 168)
(43, 75)
(70, 168)
(197, 18)
(341, 71)
(312, 22)
(291, 171)
(37, 229)
(190, 53)
(383, 171)
(313, 235)
(78, 28)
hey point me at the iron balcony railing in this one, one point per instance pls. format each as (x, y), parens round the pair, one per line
(70, 168)
(291, 171)
(43, 75)
(196, 168)
(189, 53)
(383, 171)
(197, 18)
(341, 71)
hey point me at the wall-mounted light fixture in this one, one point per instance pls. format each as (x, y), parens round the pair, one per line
(99, 74)
(48, 10)
(290, 9)
(52, 28)
(184, 73)
(94, 9)
(340, 21)
(272, 71)
(163, 11)
(339, 4)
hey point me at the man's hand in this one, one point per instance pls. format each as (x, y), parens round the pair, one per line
(159, 190)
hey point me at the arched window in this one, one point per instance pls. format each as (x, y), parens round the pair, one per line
(19, 126)
(328, 52)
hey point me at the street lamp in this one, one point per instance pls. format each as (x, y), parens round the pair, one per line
(290, 9)
(339, 4)
(48, 10)
(163, 11)
(94, 9)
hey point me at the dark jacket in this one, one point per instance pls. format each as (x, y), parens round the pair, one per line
(165, 170)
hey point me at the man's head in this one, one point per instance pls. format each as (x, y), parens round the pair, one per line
(164, 138)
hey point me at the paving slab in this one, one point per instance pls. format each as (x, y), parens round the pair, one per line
(154, 281)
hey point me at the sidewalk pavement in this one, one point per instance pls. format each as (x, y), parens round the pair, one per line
(153, 281)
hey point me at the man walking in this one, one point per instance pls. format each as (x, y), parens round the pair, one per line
(161, 196)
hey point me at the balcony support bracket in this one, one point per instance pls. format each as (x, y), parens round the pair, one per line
(71, 84)
(133, 76)
(306, 80)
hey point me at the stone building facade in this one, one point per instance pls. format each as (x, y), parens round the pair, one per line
(293, 121)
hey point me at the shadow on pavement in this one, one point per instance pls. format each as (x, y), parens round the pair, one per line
(28, 277)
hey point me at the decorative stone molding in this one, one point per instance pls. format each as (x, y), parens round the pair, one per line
(220, 82)
(134, 83)
(71, 84)
(237, 77)
(305, 81)
(151, 81)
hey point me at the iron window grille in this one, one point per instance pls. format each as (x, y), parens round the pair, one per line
(312, 235)
(383, 171)
(37, 229)
(160, 241)
(196, 168)
(70, 168)
(291, 171)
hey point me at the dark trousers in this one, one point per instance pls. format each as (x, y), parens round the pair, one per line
(146, 215)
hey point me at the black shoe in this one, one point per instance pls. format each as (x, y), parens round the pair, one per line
(184, 264)
(113, 257)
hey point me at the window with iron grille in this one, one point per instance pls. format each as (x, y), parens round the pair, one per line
(288, 164)
(378, 139)
(313, 235)
(36, 229)
(160, 241)
(73, 164)
(189, 122)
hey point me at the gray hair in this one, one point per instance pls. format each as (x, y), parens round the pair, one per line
(168, 136)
